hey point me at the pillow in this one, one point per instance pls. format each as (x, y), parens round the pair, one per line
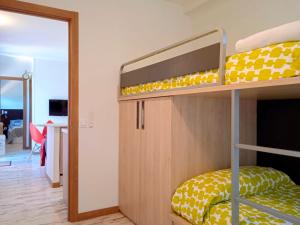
(194, 197)
(284, 33)
(16, 123)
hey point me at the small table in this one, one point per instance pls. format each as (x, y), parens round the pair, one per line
(65, 147)
(54, 168)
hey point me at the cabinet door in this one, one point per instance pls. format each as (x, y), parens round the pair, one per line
(155, 157)
(129, 159)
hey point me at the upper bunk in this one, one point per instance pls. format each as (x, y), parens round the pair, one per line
(267, 72)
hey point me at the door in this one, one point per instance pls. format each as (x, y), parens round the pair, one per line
(155, 160)
(129, 159)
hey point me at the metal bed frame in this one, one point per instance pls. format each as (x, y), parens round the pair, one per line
(222, 60)
(235, 151)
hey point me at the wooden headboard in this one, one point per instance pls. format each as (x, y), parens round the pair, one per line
(202, 135)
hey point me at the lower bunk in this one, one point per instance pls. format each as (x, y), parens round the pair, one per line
(206, 199)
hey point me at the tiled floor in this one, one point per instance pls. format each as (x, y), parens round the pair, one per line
(27, 199)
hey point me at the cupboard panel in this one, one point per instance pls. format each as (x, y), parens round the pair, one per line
(155, 162)
(129, 160)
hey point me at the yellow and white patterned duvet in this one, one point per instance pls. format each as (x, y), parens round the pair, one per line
(268, 63)
(206, 199)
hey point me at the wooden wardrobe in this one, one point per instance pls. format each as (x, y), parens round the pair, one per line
(165, 141)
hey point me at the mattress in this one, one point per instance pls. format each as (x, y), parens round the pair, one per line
(15, 131)
(206, 199)
(269, 63)
(14, 135)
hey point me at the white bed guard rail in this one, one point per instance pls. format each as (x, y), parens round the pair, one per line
(235, 152)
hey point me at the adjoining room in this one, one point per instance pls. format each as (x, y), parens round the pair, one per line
(34, 108)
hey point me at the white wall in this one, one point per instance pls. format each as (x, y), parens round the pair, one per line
(50, 81)
(11, 94)
(110, 33)
(14, 66)
(241, 18)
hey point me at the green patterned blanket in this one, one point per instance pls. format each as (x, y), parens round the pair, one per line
(206, 199)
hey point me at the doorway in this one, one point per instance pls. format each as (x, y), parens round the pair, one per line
(15, 113)
(72, 19)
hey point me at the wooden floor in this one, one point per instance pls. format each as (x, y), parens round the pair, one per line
(27, 199)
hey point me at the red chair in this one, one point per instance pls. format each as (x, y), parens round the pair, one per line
(44, 132)
(39, 140)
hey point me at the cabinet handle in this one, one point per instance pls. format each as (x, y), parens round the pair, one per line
(143, 115)
(137, 115)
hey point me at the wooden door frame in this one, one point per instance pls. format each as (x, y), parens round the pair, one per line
(72, 19)
(27, 87)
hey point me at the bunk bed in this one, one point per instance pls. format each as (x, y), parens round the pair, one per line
(207, 74)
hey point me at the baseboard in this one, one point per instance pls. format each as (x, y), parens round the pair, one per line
(89, 214)
(53, 185)
(97, 213)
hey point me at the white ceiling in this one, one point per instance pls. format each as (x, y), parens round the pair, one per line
(33, 36)
(189, 5)
(182, 2)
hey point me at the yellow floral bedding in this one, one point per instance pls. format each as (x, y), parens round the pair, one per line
(206, 199)
(268, 63)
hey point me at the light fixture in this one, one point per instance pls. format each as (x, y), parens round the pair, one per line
(5, 20)
(24, 58)
(26, 75)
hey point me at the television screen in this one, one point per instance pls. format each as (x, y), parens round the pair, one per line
(58, 107)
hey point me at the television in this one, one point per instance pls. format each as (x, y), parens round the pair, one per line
(58, 107)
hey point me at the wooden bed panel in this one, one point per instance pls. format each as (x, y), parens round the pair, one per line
(199, 60)
(248, 130)
(155, 152)
(129, 161)
(201, 135)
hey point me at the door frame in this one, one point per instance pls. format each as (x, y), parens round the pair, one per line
(27, 111)
(72, 19)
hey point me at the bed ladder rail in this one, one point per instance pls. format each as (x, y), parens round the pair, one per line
(273, 212)
(235, 164)
(276, 151)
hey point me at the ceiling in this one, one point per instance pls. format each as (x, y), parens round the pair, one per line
(32, 36)
(189, 5)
